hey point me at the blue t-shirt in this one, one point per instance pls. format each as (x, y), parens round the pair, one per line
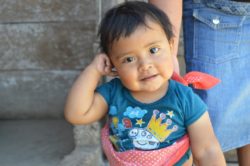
(148, 126)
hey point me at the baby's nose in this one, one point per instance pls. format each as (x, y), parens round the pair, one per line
(145, 65)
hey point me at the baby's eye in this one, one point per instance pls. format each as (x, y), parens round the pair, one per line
(154, 50)
(128, 59)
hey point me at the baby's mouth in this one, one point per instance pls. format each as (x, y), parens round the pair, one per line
(147, 78)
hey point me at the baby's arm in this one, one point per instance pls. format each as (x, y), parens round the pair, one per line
(205, 147)
(83, 105)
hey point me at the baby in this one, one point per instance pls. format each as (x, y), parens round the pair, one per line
(147, 109)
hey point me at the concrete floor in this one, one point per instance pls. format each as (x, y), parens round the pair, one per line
(34, 142)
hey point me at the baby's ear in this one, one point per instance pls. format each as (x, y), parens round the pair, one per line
(171, 44)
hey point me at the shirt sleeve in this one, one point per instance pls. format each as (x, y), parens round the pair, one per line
(106, 90)
(194, 107)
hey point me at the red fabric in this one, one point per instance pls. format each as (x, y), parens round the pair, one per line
(162, 157)
(199, 80)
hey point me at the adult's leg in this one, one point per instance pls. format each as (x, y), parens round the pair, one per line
(244, 155)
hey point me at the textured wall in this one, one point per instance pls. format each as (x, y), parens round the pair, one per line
(43, 46)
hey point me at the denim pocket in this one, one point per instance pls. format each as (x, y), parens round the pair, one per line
(216, 35)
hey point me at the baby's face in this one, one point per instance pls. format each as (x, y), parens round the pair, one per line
(143, 60)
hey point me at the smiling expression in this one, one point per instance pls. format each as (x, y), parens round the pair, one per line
(144, 59)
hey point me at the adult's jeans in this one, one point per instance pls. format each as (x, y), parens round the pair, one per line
(217, 42)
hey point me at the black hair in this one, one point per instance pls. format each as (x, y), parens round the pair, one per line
(122, 21)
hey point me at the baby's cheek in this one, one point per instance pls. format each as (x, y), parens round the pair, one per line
(167, 73)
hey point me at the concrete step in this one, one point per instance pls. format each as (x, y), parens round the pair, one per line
(84, 156)
(34, 142)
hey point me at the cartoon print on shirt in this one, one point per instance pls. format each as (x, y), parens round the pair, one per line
(127, 122)
(113, 110)
(115, 121)
(157, 130)
(139, 122)
(160, 129)
(170, 114)
(114, 139)
(133, 113)
(142, 139)
(130, 112)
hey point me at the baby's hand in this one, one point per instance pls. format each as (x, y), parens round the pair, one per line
(103, 65)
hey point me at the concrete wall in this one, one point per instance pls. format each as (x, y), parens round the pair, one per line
(43, 46)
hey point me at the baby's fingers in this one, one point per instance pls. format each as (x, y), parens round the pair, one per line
(109, 71)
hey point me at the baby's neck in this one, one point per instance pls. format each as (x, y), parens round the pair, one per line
(150, 97)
